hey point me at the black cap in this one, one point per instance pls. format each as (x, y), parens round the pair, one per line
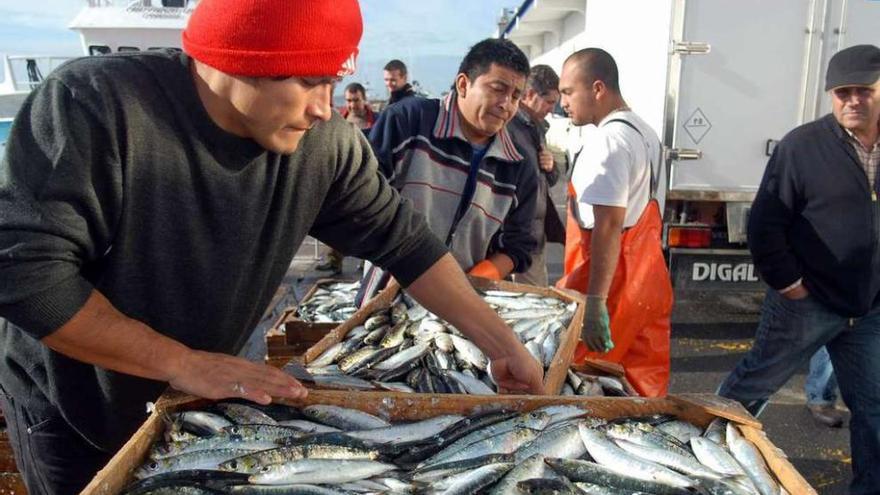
(857, 65)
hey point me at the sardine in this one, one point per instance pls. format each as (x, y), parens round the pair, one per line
(591, 472)
(607, 453)
(319, 471)
(752, 461)
(252, 463)
(344, 418)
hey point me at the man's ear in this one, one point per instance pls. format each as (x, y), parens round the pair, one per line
(461, 84)
(600, 89)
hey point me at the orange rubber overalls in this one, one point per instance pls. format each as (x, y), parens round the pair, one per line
(639, 301)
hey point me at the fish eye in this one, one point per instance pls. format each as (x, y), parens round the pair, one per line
(153, 466)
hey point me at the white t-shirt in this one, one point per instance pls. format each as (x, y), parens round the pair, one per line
(612, 168)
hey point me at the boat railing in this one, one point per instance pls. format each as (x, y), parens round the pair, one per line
(22, 73)
(140, 4)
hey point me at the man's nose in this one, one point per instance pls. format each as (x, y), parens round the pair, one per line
(319, 104)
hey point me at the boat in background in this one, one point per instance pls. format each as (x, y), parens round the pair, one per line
(104, 26)
(21, 74)
(107, 26)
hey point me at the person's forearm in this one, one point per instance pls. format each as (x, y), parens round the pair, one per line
(99, 334)
(604, 253)
(446, 292)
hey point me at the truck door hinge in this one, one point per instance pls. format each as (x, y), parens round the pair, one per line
(691, 47)
(683, 154)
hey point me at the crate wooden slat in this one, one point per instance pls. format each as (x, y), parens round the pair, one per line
(695, 408)
(554, 377)
(777, 460)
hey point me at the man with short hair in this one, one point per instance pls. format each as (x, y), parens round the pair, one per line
(357, 109)
(395, 75)
(529, 130)
(613, 251)
(814, 236)
(454, 159)
(144, 228)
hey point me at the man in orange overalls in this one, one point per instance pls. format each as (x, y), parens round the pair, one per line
(613, 252)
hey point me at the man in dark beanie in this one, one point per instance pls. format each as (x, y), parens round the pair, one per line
(814, 233)
(150, 205)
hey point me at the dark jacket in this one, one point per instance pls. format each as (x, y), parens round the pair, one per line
(129, 188)
(530, 136)
(401, 93)
(815, 216)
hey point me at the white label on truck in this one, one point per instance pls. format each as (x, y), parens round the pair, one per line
(697, 126)
(724, 272)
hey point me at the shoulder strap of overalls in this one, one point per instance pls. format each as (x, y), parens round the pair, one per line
(647, 151)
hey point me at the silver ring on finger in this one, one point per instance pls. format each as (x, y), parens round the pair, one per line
(238, 388)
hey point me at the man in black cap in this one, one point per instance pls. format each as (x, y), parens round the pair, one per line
(814, 233)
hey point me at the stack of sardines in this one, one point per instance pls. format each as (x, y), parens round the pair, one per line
(323, 449)
(587, 385)
(331, 302)
(405, 348)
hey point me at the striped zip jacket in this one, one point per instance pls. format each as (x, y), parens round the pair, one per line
(422, 151)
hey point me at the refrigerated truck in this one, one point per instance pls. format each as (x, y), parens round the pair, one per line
(721, 82)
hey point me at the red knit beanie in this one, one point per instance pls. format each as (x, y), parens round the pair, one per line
(270, 38)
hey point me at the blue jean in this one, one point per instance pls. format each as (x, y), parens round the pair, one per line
(821, 384)
(790, 333)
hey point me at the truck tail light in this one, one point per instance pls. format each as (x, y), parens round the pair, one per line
(690, 237)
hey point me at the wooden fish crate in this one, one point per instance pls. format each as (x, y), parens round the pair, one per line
(699, 409)
(10, 481)
(606, 368)
(12, 484)
(292, 336)
(554, 377)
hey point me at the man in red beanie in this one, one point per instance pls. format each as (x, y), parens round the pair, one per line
(150, 205)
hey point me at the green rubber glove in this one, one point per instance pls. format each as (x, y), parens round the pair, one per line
(596, 331)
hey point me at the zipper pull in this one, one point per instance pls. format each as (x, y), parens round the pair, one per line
(874, 196)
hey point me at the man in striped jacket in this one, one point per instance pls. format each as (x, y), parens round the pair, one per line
(455, 160)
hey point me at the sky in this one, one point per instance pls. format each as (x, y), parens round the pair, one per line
(430, 37)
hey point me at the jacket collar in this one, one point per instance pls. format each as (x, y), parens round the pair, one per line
(832, 123)
(448, 126)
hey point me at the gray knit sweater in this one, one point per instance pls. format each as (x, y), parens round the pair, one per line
(115, 178)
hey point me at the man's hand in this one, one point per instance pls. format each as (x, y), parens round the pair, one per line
(220, 376)
(596, 331)
(798, 292)
(545, 160)
(518, 373)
